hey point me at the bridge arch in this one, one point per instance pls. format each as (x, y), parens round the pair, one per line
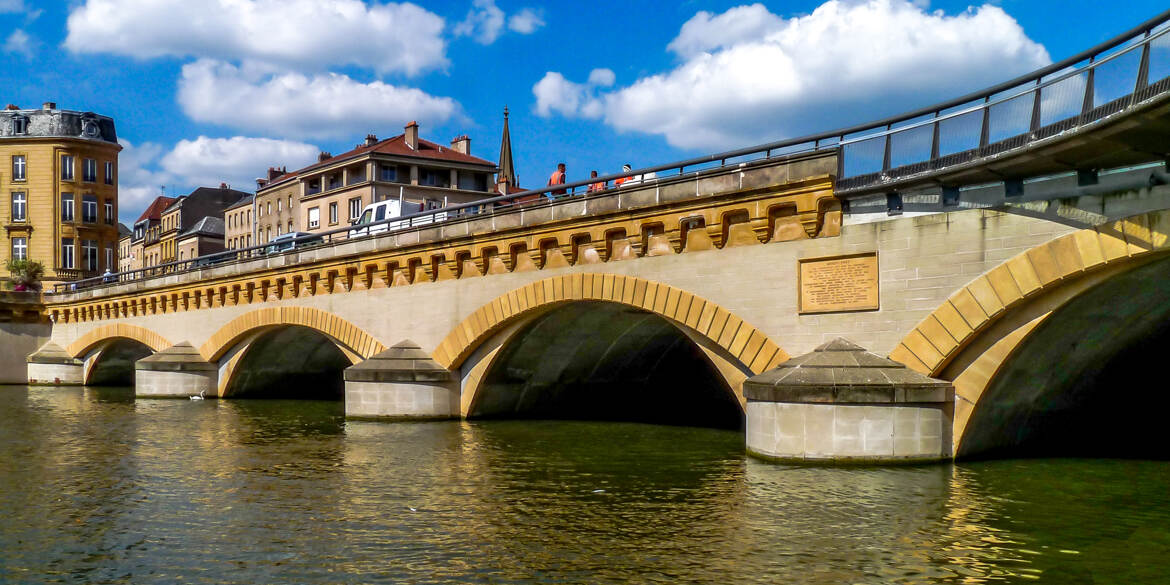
(105, 333)
(108, 352)
(988, 332)
(623, 307)
(230, 346)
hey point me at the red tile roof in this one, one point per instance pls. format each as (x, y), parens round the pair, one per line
(397, 146)
(154, 210)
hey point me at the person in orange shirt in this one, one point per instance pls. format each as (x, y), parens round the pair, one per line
(598, 186)
(557, 178)
(625, 169)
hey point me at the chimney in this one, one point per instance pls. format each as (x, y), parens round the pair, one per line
(412, 135)
(260, 183)
(324, 156)
(461, 144)
(273, 173)
(371, 140)
(12, 107)
(223, 185)
(49, 106)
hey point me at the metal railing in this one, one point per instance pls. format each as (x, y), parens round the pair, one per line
(1056, 99)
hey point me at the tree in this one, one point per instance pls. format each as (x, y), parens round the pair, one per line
(26, 274)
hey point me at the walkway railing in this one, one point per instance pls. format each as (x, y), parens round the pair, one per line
(1111, 78)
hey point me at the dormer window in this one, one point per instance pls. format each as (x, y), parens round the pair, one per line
(20, 125)
(90, 129)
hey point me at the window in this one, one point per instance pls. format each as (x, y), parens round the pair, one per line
(109, 212)
(278, 205)
(19, 206)
(67, 167)
(314, 218)
(18, 167)
(89, 170)
(20, 248)
(278, 229)
(388, 173)
(434, 178)
(269, 212)
(89, 208)
(89, 253)
(20, 125)
(290, 202)
(110, 259)
(67, 207)
(67, 253)
(290, 226)
(109, 173)
(333, 213)
(355, 208)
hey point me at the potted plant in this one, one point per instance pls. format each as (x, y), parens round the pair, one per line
(26, 274)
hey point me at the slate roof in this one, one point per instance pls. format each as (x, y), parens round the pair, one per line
(208, 226)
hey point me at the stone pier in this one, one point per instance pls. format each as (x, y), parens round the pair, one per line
(176, 372)
(403, 382)
(53, 366)
(842, 404)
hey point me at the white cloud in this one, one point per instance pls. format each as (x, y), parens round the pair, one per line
(554, 93)
(291, 104)
(236, 161)
(526, 21)
(749, 76)
(20, 43)
(484, 22)
(291, 33)
(10, 6)
(144, 170)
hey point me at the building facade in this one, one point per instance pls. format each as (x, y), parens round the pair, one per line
(237, 224)
(187, 211)
(331, 193)
(59, 177)
(203, 238)
(144, 241)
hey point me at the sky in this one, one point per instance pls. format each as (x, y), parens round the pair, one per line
(211, 91)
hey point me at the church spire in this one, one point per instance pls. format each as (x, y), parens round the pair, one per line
(507, 175)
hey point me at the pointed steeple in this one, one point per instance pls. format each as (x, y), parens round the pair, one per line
(507, 174)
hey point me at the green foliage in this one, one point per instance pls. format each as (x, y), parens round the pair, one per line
(26, 273)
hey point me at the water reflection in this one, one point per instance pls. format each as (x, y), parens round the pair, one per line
(98, 487)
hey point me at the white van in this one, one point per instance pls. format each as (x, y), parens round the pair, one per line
(374, 213)
(388, 209)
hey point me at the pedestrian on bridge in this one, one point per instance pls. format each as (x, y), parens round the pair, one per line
(625, 169)
(598, 186)
(557, 178)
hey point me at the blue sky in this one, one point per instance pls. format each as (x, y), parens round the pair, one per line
(218, 90)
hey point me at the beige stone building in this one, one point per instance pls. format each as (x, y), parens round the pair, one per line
(59, 177)
(331, 193)
(237, 224)
(205, 237)
(144, 241)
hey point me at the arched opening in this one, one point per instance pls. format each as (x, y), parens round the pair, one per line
(594, 360)
(1088, 380)
(290, 362)
(114, 364)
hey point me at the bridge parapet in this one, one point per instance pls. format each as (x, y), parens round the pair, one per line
(765, 201)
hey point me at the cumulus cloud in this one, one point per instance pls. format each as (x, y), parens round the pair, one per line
(749, 76)
(19, 43)
(526, 21)
(237, 160)
(311, 34)
(145, 169)
(485, 22)
(556, 94)
(292, 104)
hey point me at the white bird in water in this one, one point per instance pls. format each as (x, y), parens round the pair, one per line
(200, 397)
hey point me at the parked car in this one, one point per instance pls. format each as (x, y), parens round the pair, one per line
(212, 259)
(291, 240)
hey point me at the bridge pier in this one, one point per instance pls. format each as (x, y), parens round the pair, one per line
(841, 404)
(402, 382)
(176, 372)
(53, 366)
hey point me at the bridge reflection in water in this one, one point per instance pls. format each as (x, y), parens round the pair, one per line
(245, 491)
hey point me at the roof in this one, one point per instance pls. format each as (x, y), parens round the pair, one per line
(123, 230)
(507, 167)
(242, 202)
(395, 146)
(208, 226)
(205, 192)
(156, 207)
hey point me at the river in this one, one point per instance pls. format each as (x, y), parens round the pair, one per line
(97, 487)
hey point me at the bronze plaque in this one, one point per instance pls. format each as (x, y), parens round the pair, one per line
(838, 284)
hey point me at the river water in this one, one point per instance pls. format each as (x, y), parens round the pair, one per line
(97, 487)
